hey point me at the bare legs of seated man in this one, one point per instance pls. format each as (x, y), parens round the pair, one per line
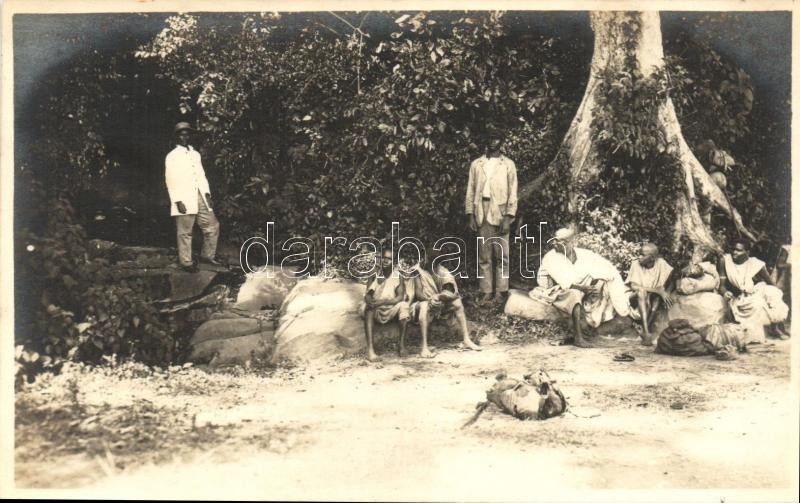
(644, 306)
(580, 329)
(583, 334)
(369, 326)
(426, 315)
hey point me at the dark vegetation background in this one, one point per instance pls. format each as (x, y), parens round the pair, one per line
(333, 124)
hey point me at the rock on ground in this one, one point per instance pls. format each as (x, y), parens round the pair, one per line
(239, 350)
(185, 285)
(229, 328)
(234, 341)
(520, 304)
(231, 337)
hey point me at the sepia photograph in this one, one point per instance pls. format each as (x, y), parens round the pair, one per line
(371, 252)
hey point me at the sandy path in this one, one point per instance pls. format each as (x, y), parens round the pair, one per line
(392, 431)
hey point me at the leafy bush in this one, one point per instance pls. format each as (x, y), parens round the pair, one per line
(338, 124)
(604, 228)
(327, 129)
(72, 308)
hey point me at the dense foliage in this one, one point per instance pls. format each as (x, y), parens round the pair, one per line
(314, 123)
(71, 307)
(338, 124)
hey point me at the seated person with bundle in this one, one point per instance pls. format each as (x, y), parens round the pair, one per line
(582, 284)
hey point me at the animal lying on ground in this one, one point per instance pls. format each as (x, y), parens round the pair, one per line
(536, 396)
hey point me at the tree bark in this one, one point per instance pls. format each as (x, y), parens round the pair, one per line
(613, 48)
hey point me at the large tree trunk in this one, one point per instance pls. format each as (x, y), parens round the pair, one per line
(612, 50)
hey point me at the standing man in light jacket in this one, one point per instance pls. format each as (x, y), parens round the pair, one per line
(491, 205)
(190, 200)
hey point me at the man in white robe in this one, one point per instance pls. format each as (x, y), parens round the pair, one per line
(582, 284)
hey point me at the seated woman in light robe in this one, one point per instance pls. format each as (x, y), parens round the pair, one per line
(580, 283)
(754, 301)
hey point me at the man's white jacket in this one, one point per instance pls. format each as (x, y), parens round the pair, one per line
(502, 190)
(185, 178)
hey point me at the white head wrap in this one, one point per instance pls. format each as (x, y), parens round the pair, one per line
(564, 233)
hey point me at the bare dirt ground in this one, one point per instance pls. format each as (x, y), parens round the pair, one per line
(392, 430)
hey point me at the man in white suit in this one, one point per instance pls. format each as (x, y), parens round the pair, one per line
(491, 205)
(190, 200)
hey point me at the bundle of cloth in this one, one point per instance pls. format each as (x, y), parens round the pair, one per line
(535, 396)
(698, 277)
(724, 340)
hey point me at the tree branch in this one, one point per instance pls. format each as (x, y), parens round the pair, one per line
(362, 20)
(330, 29)
(348, 23)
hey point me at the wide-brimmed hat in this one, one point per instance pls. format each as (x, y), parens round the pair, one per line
(183, 126)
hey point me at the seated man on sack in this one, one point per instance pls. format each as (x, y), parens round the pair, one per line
(754, 301)
(387, 298)
(582, 284)
(650, 282)
(437, 297)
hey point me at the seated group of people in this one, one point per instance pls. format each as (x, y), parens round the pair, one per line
(588, 288)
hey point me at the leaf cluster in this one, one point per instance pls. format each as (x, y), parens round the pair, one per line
(71, 308)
